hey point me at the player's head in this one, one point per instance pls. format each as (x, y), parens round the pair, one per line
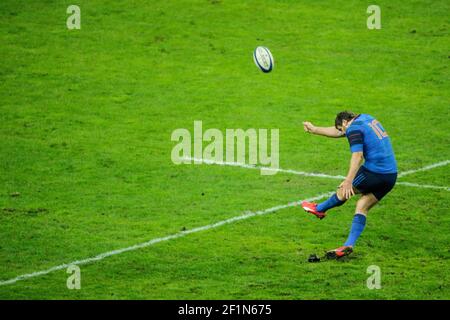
(343, 119)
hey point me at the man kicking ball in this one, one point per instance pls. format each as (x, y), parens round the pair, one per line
(374, 179)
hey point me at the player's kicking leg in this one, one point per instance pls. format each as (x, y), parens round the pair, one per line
(337, 199)
(319, 209)
(364, 204)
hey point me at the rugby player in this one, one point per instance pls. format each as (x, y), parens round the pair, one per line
(371, 145)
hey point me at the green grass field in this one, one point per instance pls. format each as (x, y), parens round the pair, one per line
(85, 150)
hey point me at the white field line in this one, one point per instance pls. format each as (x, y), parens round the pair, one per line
(426, 186)
(431, 166)
(322, 175)
(157, 240)
(250, 166)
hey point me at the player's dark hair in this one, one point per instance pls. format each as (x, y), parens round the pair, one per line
(344, 115)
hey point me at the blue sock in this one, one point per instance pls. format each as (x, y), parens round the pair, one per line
(332, 202)
(358, 224)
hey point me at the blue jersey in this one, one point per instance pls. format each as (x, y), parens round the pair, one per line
(367, 135)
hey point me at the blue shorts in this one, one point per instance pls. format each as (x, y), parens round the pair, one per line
(379, 184)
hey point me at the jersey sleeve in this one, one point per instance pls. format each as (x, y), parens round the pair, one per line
(356, 139)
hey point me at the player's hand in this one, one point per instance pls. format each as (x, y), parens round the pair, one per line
(309, 127)
(347, 189)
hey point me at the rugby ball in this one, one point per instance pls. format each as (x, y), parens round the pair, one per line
(263, 59)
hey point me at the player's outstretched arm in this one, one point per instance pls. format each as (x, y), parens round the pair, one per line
(330, 132)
